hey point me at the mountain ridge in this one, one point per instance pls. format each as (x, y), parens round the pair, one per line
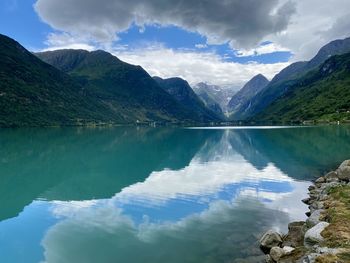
(80, 88)
(183, 93)
(249, 90)
(322, 94)
(124, 87)
(285, 78)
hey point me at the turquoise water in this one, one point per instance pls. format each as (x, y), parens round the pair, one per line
(155, 194)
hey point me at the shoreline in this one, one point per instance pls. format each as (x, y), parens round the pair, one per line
(325, 235)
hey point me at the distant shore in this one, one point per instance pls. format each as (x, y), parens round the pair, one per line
(92, 124)
(325, 236)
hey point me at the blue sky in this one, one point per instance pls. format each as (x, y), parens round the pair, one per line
(212, 41)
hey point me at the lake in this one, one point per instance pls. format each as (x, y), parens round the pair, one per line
(137, 194)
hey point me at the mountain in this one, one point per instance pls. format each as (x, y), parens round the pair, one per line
(249, 90)
(33, 93)
(322, 94)
(210, 103)
(127, 90)
(221, 95)
(183, 93)
(284, 80)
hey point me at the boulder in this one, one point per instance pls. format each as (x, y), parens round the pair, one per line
(270, 239)
(311, 187)
(295, 236)
(288, 249)
(268, 259)
(313, 235)
(331, 177)
(276, 253)
(316, 206)
(314, 218)
(306, 201)
(320, 180)
(343, 171)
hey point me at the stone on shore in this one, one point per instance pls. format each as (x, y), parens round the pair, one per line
(311, 187)
(314, 218)
(343, 171)
(331, 177)
(270, 239)
(295, 236)
(313, 235)
(311, 258)
(276, 253)
(320, 180)
(288, 249)
(306, 201)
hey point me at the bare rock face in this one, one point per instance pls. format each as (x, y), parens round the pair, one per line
(269, 240)
(313, 235)
(343, 171)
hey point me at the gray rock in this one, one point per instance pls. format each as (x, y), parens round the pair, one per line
(288, 250)
(323, 197)
(320, 180)
(314, 218)
(311, 187)
(311, 258)
(268, 259)
(295, 236)
(316, 205)
(331, 177)
(313, 196)
(276, 253)
(306, 200)
(270, 239)
(313, 235)
(343, 171)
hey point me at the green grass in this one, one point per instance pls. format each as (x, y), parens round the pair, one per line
(337, 234)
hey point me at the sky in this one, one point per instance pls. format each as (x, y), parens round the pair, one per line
(224, 42)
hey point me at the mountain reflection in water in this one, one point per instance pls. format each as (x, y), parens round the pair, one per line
(155, 195)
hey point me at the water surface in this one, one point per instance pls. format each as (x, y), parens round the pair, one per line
(131, 194)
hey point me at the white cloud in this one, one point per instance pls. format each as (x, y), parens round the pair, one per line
(67, 41)
(201, 46)
(301, 27)
(196, 66)
(168, 184)
(219, 21)
(260, 50)
(305, 34)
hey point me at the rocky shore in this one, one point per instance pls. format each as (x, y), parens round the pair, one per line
(325, 236)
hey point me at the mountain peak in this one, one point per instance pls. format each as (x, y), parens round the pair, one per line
(259, 77)
(68, 60)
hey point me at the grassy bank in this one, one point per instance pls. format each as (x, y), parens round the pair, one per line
(337, 234)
